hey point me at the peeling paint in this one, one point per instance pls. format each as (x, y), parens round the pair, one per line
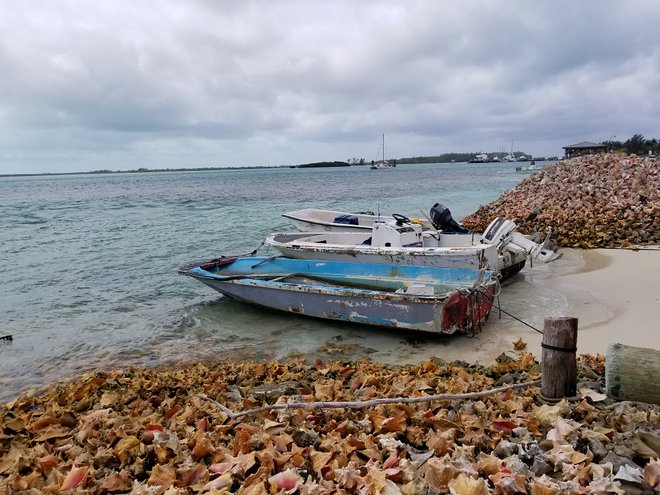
(315, 289)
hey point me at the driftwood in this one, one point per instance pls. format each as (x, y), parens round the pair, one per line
(368, 403)
(631, 373)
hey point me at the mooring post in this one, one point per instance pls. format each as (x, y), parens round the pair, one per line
(559, 361)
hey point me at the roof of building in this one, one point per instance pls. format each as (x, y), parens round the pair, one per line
(584, 145)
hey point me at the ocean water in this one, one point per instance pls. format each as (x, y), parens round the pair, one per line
(89, 262)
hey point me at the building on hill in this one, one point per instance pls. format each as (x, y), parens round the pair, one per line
(583, 148)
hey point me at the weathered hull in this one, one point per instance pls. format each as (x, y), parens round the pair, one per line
(439, 257)
(462, 306)
(469, 254)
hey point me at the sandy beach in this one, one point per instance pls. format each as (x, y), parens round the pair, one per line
(614, 293)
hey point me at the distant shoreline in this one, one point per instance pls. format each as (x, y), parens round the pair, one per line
(193, 169)
(400, 161)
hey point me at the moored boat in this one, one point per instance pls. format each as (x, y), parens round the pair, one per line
(429, 299)
(319, 220)
(402, 241)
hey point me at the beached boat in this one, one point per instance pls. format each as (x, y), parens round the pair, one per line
(402, 241)
(429, 299)
(319, 220)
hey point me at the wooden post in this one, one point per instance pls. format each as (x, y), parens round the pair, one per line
(559, 362)
(631, 373)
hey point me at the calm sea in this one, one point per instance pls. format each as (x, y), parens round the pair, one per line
(89, 262)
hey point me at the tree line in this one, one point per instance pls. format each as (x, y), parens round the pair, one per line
(636, 145)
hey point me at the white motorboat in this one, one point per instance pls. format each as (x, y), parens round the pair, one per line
(403, 242)
(317, 220)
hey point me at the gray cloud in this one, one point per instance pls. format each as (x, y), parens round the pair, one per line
(89, 85)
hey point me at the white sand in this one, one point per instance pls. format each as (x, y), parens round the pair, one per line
(615, 294)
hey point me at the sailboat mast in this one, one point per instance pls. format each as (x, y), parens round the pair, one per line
(383, 149)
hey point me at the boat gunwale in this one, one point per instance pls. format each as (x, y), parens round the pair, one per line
(475, 285)
(303, 243)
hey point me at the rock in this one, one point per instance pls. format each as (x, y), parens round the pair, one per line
(270, 392)
(618, 461)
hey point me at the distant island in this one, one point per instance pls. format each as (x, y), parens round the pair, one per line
(446, 158)
(321, 164)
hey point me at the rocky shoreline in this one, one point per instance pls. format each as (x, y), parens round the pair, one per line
(594, 201)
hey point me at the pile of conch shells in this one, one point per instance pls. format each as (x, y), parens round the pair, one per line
(594, 201)
(147, 431)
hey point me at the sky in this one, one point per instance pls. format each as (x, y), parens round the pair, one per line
(125, 84)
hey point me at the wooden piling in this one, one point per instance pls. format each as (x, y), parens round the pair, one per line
(559, 361)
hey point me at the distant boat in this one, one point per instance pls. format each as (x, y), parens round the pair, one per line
(510, 157)
(422, 298)
(480, 158)
(382, 163)
(532, 167)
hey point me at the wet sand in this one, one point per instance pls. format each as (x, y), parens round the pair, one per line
(614, 293)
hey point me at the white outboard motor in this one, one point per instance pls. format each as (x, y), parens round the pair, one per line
(503, 233)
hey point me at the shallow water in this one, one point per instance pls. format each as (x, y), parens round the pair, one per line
(89, 262)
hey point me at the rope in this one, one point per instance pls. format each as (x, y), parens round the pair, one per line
(556, 348)
(518, 319)
(255, 251)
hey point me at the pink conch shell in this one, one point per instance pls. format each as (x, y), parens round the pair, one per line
(74, 478)
(286, 480)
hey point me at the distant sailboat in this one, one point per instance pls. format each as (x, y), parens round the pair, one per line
(383, 163)
(510, 157)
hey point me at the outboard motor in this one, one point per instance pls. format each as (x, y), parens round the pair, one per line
(504, 234)
(442, 219)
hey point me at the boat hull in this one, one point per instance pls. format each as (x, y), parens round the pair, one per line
(460, 302)
(316, 220)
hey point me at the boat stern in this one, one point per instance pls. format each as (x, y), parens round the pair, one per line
(467, 309)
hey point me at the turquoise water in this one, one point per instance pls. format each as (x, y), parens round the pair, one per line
(89, 261)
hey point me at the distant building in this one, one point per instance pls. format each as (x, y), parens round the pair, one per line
(583, 148)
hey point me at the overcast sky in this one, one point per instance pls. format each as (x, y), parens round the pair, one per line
(118, 84)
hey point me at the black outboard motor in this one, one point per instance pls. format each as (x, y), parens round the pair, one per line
(441, 218)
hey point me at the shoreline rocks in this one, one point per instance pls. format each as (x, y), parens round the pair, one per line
(593, 201)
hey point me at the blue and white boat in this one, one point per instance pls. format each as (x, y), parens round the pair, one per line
(422, 298)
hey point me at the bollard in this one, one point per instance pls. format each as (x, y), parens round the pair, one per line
(559, 361)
